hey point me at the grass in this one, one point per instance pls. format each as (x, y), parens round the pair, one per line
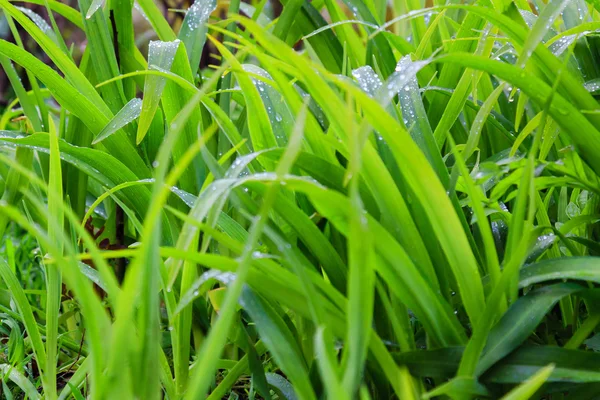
(357, 199)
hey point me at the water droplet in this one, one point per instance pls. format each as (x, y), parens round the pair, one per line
(125, 116)
(367, 79)
(39, 21)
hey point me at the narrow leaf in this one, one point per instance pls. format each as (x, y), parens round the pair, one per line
(193, 29)
(128, 114)
(161, 55)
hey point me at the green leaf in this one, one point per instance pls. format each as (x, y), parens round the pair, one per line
(281, 119)
(95, 115)
(527, 389)
(158, 21)
(593, 343)
(460, 387)
(395, 267)
(542, 25)
(26, 312)
(102, 53)
(561, 110)
(20, 380)
(98, 165)
(259, 126)
(281, 386)
(29, 108)
(326, 358)
(520, 320)
(414, 115)
(573, 268)
(16, 344)
(193, 29)
(53, 274)
(279, 340)
(95, 6)
(161, 55)
(40, 22)
(128, 114)
(570, 365)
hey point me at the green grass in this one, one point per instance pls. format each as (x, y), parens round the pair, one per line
(357, 200)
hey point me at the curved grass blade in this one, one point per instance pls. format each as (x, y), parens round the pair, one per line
(574, 268)
(280, 117)
(128, 114)
(11, 373)
(103, 54)
(460, 388)
(40, 22)
(259, 126)
(574, 366)
(158, 21)
(26, 312)
(193, 29)
(279, 340)
(29, 108)
(527, 389)
(361, 275)
(95, 118)
(161, 55)
(327, 361)
(95, 6)
(98, 165)
(542, 25)
(71, 14)
(406, 153)
(561, 110)
(520, 320)
(414, 115)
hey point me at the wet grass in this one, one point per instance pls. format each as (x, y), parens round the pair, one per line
(354, 200)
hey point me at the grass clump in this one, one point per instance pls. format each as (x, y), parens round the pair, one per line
(350, 200)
